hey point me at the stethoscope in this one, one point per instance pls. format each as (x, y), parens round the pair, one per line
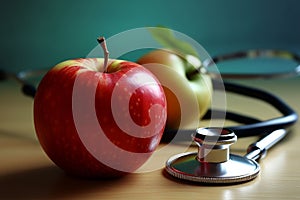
(213, 163)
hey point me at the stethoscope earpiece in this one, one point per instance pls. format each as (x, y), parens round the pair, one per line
(213, 164)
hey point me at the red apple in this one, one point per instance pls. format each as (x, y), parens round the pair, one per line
(96, 117)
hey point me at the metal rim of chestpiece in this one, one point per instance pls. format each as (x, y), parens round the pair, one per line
(213, 164)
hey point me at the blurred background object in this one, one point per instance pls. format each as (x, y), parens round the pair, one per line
(39, 34)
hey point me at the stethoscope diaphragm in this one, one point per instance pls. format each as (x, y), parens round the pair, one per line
(213, 164)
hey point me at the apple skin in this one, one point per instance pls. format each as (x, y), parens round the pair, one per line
(72, 141)
(188, 98)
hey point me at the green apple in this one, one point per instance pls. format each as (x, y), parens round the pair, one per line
(188, 94)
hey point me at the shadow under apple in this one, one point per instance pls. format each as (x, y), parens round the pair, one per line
(49, 182)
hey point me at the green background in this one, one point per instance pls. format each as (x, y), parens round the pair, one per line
(39, 34)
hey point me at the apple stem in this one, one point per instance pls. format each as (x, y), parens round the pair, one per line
(101, 41)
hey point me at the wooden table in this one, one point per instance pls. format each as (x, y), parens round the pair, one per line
(27, 173)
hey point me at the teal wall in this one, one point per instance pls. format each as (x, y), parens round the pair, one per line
(39, 33)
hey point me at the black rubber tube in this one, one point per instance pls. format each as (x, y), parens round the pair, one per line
(253, 126)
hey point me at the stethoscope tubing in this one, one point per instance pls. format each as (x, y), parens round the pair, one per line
(289, 115)
(252, 126)
(254, 53)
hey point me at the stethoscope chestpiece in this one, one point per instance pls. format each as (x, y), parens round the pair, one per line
(213, 164)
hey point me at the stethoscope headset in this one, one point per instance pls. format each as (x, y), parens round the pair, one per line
(213, 163)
